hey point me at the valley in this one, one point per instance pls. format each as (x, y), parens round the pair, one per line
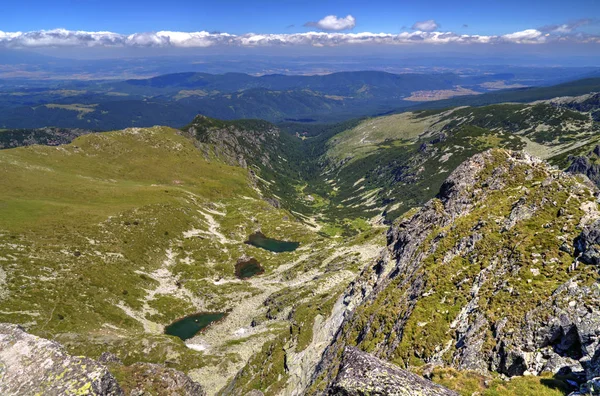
(249, 259)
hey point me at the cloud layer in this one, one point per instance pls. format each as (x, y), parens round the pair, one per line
(333, 23)
(69, 38)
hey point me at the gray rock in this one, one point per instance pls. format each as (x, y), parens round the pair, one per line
(588, 244)
(364, 374)
(32, 365)
(273, 202)
(254, 392)
(583, 165)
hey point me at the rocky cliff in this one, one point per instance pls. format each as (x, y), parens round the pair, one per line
(587, 165)
(241, 142)
(497, 275)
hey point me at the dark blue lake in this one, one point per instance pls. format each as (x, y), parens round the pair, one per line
(258, 239)
(189, 326)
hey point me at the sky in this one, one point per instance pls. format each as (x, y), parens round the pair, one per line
(197, 24)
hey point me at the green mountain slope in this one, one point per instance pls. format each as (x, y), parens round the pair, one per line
(390, 164)
(107, 240)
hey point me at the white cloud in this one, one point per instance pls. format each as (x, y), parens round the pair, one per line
(564, 28)
(333, 23)
(194, 39)
(426, 26)
(529, 36)
(67, 38)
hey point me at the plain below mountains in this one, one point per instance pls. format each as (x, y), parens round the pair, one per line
(174, 99)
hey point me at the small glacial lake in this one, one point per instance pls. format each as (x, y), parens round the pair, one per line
(189, 326)
(247, 268)
(258, 239)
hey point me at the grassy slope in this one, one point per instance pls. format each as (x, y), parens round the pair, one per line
(105, 241)
(397, 162)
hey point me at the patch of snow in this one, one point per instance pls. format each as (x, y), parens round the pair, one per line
(197, 347)
(240, 332)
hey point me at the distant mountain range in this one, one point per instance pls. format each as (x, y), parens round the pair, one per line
(174, 99)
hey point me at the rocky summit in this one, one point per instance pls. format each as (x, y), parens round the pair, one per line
(31, 365)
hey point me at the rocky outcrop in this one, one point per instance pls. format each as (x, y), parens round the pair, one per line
(588, 244)
(484, 277)
(238, 143)
(583, 165)
(362, 374)
(31, 365)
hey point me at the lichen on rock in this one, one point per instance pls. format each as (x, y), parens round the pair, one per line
(32, 365)
(362, 374)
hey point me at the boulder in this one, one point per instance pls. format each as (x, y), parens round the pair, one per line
(151, 377)
(31, 365)
(363, 374)
(588, 244)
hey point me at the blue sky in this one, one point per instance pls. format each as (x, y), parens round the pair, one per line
(485, 17)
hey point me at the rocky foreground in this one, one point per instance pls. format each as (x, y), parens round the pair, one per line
(363, 374)
(31, 365)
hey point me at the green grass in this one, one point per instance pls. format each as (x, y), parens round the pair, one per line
(366, 137)
(100, 175)
(469, 383)
(83, 226)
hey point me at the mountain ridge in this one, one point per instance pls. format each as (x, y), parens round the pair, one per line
(395, 281)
